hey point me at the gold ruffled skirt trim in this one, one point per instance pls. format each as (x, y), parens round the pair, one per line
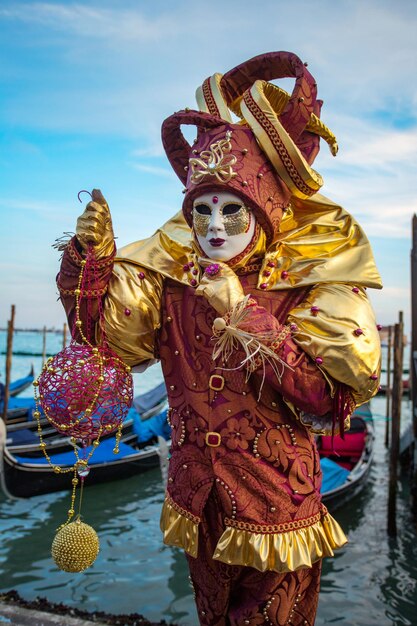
(280, 552)
(180, 527)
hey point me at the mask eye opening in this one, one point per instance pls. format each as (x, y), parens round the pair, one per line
(202, 209)
(231, 208)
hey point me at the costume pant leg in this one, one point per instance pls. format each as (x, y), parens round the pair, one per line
(211, 579)
(275, 599)
(229, 595)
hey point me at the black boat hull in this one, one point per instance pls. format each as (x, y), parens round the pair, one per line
(24, 480)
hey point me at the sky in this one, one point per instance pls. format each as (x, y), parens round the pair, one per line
(85, 86)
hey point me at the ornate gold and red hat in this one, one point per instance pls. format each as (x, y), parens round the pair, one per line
(265, 157)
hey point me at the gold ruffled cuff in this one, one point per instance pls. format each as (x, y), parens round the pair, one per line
(180, 528)
(280, 552)
(284, 551)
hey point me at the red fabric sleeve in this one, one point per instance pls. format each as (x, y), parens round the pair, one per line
(95, 287)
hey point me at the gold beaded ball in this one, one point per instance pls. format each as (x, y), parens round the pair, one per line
(75, 547)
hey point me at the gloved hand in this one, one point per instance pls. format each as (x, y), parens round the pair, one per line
(94, 226)
(220, 286)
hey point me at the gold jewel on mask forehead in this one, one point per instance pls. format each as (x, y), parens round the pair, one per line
(236, 223)
(215, 162)
(201, 223)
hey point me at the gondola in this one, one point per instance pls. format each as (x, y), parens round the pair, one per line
(20, 410)
(346, 463)
(21, 384)
(20, 413)
(16, 407)
(28, 474)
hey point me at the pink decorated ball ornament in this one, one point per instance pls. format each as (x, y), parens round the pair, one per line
(85, 391)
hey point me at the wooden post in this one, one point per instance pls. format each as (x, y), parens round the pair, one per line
(64, 336)
(388, 410)
(10, 330)
(395, 425)
(44, 346)
(413, 362)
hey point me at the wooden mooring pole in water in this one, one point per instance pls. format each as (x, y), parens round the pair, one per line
(413, 363)
(9, 353)
(44, 345)
(388, 398)
(397, 390)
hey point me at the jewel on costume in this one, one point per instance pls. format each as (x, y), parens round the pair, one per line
(212, 270)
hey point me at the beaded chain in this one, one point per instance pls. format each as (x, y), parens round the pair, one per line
(82, 427)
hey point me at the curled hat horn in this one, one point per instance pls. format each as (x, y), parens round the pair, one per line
(176, 146)
(296, 114)
(288, 127)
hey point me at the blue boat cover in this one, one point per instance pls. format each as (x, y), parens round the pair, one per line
(21, 403)
(17, 384)
(21, 437)
(333, 475)
(156, 425)
(104, 452)
(21, 382)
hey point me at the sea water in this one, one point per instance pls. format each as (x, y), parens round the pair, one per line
(370, 582)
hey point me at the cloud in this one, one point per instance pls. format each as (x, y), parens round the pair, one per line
(151, 151)
(154, 170)
(369, 143)
(84, 21)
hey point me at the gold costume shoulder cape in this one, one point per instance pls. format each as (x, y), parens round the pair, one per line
(319, 245)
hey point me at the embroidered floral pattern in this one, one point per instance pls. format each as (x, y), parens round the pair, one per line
(237, 433)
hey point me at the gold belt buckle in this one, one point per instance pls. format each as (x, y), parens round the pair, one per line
(213, 439)
(216, 382)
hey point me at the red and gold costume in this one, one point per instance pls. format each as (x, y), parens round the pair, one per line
(243, 495)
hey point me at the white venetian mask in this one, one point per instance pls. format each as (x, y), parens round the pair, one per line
(223, 225)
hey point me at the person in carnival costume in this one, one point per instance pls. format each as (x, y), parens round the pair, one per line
(254, 300)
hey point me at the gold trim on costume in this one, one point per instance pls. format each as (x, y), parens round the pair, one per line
(275, 528)
(281, 551)
(92, 293)
(210, 99)
(301, 179)
(180, 528)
